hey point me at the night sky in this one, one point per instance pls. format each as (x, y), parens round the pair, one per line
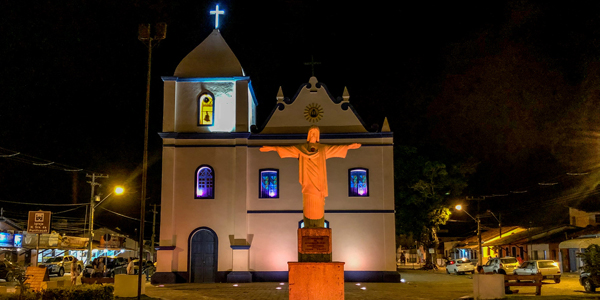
(512, 84)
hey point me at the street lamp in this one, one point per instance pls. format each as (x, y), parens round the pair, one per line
(117, 191)
(459, 207)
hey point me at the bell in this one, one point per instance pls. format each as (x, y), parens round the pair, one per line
(207, 117)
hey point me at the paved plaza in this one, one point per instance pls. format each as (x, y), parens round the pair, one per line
(419, 284)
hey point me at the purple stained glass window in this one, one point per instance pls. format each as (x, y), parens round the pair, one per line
(205, 183)
(269, 184)
(359, 183)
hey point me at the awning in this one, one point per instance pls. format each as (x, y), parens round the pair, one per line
(579, 243)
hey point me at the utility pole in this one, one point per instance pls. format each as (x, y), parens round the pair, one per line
(144, 35)
(93, 183)
(152, 250)
(500, 224)
(479, 240)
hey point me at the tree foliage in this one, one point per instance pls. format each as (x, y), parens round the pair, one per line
(591, 259)
(423, 190)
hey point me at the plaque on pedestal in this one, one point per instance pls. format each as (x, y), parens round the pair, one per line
(314, 245)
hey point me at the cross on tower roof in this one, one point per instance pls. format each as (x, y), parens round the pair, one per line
(217, 12)
(312, 64)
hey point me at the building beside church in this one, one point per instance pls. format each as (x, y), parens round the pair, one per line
(230, 212)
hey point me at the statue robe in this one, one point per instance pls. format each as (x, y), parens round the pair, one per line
(313, 173)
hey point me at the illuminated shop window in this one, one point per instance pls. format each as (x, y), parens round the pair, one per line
(359, 182)
(269, 183)
(205, 183)
(301, 224)
(206, 110)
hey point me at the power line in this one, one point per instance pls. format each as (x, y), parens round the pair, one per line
(38, 162)
(124, 216)
(43, 204)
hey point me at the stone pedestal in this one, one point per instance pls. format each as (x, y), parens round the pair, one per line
(127, 285)
(488, 286)
(316, 280)
(314, 245)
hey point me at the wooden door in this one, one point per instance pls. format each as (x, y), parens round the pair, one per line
(203, 256)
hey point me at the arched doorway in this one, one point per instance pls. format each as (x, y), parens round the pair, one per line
(203, 255)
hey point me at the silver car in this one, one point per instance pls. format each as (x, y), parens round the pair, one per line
(508, 264)
(461, 265)
(548, 268)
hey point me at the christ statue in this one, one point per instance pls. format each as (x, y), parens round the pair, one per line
(312, 157)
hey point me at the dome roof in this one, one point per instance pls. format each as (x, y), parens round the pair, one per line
(212, 58)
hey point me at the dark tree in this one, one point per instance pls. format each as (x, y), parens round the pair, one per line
(423, 191)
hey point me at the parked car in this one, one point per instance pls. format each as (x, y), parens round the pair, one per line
(461, 265)
(148, 269)
(61, 264)
(508, 264)
(548, 268)
(588, 282)
(113, 265)
(7, 270)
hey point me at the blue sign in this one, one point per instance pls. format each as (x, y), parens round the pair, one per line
(6, 239)
(18, 241)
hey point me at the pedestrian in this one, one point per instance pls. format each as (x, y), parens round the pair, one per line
(402, 258)
(130, 267)
(74, 271)
(99, 267)
(519, 259)
(480, 270)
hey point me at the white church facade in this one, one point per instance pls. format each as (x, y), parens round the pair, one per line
(230, 212)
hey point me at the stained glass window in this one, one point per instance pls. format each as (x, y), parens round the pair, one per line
(359, 183)
(269, 184)
(205, 183)
(206, 109)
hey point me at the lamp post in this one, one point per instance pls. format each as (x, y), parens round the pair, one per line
(118, 191)
(459, 207)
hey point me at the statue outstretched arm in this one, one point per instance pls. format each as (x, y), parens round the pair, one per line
(283, 151)
(340, 150)
(268, 148)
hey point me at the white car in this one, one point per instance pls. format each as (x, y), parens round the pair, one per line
(548, 268)
(508, 264)
(461, 265)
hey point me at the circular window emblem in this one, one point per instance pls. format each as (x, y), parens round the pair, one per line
(313, 112)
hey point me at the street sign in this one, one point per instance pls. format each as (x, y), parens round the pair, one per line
(38, 222)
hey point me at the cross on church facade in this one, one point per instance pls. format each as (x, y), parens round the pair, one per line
(312, 64)
(217, 12)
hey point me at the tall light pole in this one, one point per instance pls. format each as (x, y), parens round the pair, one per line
(459, 207)
(145, 36)
(118, 191)
(93, 183)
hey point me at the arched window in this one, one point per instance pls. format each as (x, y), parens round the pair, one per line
(301, 224)
(205, 183)
(269, 183)
(206, 109)
(358, 182)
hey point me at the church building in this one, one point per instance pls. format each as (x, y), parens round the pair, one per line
(230, 212)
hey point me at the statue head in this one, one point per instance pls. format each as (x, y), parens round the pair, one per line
(313, 134)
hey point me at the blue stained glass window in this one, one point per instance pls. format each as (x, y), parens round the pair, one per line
(359, 183)
(205, 183)
(269, 184)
